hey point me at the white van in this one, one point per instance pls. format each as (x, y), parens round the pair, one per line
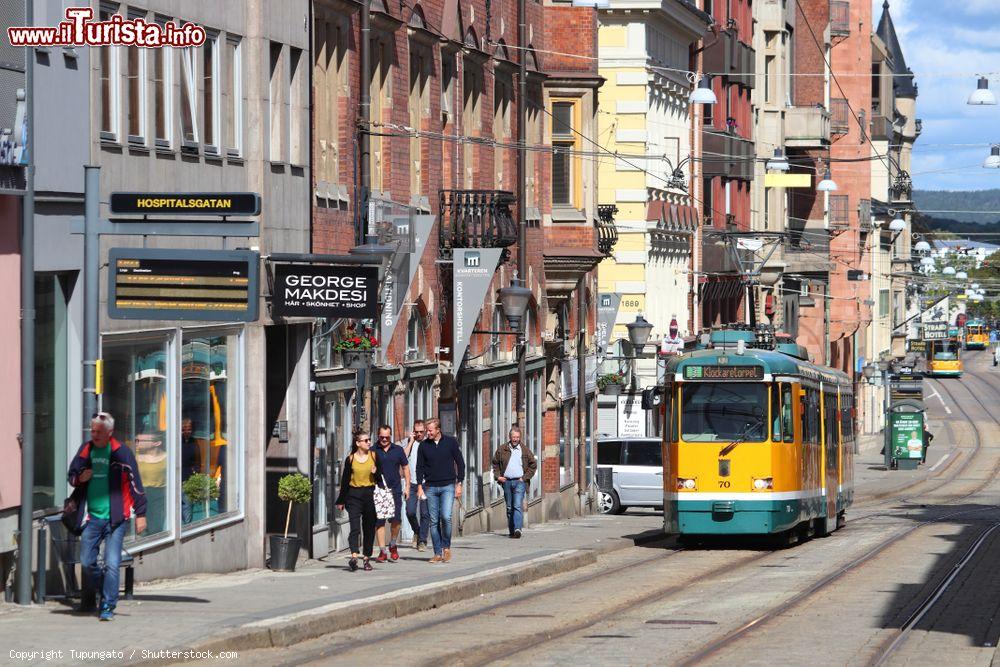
(629, 474)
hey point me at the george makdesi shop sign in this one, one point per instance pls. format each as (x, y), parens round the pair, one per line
(302, 290)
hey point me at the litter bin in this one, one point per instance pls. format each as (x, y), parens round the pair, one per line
(905, 433)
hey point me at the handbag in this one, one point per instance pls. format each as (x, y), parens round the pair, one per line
(385, 504)
(71, 512)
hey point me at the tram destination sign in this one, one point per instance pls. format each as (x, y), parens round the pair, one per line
(192, 203)
(160, 284)
(723, 372)
(313, 290)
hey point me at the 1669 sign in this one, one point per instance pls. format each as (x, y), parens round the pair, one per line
(325, 291)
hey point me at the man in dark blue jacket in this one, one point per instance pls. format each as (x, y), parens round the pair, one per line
(107, 483)
(440, 471)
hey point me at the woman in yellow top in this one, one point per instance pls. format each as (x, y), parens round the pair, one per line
(362, 471)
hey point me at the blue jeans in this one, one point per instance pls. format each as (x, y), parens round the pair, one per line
(421, 528)
(513, 494)
(440, 500)
(102, 577)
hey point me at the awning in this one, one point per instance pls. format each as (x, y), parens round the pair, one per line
(672, 217)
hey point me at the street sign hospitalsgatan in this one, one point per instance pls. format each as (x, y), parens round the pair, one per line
(161, 284)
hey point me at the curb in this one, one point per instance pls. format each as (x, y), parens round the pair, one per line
(302, 626)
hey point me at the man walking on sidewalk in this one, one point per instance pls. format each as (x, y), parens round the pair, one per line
(513, 467)
(396, 470)
(105, 476)
(440, 471)
(421, 527)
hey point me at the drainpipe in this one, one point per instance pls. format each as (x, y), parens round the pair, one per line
(27, 437)
(522, 209)
(581, 390)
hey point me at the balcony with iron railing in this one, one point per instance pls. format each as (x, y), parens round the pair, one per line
(477, 219)
(607, 233)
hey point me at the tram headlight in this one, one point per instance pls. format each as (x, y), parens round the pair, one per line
(685, 484)
(762, 483)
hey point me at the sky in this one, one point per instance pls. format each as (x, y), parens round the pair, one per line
(947, 44)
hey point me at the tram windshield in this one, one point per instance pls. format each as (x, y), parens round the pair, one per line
(724, 412)
(945, 351)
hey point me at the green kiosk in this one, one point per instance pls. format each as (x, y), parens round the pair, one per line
(905, 434)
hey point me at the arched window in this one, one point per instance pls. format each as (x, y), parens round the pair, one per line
(414, 337)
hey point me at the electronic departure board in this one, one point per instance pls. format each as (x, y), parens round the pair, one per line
(723, 372)
(158, 284)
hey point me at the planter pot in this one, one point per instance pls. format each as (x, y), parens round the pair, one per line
(357, 359)
(612, 389)
(284, 553)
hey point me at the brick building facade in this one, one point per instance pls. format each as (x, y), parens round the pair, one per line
(444, 139)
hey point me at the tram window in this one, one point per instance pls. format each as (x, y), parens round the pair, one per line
(640, 453)
(674, 413)
(810, 416)
(788, 426)
(775, 413)
(724, 412)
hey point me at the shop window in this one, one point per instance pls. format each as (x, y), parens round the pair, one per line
(567, 438)
(136, 394)
(51, 399)
(419, 399)
(210, 438)
(501, 419)
(470, 404)
(533, 434)
(334, 424)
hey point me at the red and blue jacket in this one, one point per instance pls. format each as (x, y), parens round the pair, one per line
(125, 491)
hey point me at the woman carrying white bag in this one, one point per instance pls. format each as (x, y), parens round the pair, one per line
(364, 494)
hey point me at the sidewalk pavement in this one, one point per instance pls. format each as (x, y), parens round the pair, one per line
(259, 608)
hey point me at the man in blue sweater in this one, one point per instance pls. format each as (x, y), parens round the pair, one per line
(440, 471)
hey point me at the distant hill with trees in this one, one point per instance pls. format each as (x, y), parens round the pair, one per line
(960, 200)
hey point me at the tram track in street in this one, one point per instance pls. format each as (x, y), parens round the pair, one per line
(713, 648)
(535, 627)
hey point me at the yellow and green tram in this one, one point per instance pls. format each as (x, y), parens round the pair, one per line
(977, 335)
(760, 442)
(944, 358)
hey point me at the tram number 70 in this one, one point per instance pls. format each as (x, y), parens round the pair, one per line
(723, 484)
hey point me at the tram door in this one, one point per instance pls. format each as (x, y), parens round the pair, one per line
(830, 480)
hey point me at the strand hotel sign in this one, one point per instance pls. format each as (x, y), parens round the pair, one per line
(316, 290)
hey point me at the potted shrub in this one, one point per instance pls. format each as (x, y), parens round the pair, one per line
(295, 489)
(356, 351)
(200, 490)
(611, 383)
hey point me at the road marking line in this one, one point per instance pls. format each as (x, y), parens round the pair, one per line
(935, 393)
(938, 464)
